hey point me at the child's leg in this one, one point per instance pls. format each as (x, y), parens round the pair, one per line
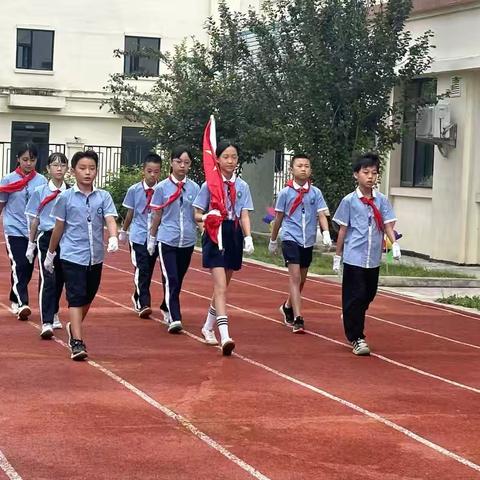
(59, 281)
(143, 274)
(294, 282)
(354, 301)
(303, 279)
(168, 261)
(183, 258)
(371, 276)
(47, 287)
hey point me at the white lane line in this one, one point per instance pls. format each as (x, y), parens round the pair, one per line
(332, 340)
(374, 416)
(8, 469)
(184, 422)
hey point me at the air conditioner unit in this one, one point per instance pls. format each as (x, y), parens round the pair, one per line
(434, 125)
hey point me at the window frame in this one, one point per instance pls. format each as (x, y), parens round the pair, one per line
(128, 57)
(30, 46)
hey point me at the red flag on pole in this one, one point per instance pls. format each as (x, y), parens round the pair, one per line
(214, 181)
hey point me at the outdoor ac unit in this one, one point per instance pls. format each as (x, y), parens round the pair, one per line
(434, 124)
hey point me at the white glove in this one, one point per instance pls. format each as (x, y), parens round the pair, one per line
(248, 245)
(327, 241)
(152, 243)
(337, 260)
(211, 212)
(273, 246)
(112, 244)
(122, 236)
(30, 253)
(396, 252)
(48, 262)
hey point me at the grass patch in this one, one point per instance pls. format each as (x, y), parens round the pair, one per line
(322, 264)
(466, 301)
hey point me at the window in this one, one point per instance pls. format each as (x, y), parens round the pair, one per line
(35, 49)
(417, 156)
(141, 56)
(134, 146)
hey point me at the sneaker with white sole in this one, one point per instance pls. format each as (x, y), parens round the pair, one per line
(145, 312)
(14, 308)
(209, 336)
(57, 324)
(298, 325)
(175, 327)
(287, 312)
(23, 312)
(47, 331)
(360, 347)
(227, 347)
(79, 350)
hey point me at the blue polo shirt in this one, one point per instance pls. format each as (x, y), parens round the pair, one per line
(178, 227)
(301, 226)
(363, 243)
(83, 214)
(46, 222)
(136, 200)
(242, 202)
(14, 218)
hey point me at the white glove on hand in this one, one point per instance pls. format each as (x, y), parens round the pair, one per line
(396, 252)
(152, 243)
(248, 245)
(273, 246)
(122, 236)
(211, 212)
(327, 241)
(112, 244)
(337, 261)
(30, 253)
(48, 262)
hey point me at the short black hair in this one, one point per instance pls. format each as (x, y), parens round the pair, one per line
(31, 148)
(57, 157)
(179, 150)
(369, 159)
(86, 154)
(152, 157)
(223, 145)
(299, 155)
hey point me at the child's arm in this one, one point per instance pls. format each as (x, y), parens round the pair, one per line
(56, 236)
(247, 232)
(277, 223)
(34, 222)
(340, 239)
(391, 236)
(323, 222)
(156, 220)
(112, 229)
(128, 220)
(2, 204)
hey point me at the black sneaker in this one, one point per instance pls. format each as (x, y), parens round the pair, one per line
(79, 350)
(287, 313)
(298, 325)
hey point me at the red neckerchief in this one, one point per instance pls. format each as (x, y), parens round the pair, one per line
(48, 199)
(300, 193)
(19, 184)
(376, 211)
(232, 192)
(173, 196)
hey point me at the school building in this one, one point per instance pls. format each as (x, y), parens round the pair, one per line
(57, 57)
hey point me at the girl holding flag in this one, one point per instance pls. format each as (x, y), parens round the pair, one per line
(227, 201)
(16, 188)
(38, 209)
(175, 231)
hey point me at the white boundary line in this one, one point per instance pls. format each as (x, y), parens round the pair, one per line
(8, 469)
(184, 422)
(374, 416)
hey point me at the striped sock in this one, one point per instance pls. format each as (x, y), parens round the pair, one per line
(211, 317)
(222, 324)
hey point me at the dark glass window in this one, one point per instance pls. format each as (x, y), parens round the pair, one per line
(140, 56)
(35, 49)
(135, 146)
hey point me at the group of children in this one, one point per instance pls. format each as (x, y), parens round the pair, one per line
(66, 227)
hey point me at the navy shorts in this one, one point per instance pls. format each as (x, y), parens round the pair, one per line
(81, 282)
(232, 255)
(296, 254)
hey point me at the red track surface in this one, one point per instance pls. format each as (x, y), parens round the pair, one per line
(289, 407)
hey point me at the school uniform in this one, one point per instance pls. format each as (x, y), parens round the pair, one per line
(238, 198)
(51, 284)
(176, 237)
(300, 206)
(138, 198)
(81, 245)
(16, 228)
(362, 253)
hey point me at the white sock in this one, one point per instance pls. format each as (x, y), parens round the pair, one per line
(222, 324)
(211, 317)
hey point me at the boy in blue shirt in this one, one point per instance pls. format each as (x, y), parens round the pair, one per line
(139, 219)
(80, 213)
(38, 209)
(175, 231)
(16, 188)
(364, 216)
(300, 208)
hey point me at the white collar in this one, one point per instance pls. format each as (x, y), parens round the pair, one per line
(146, 187)
(296, 186)
(176, 181)
(360, 194)
(76, 189)
(234, 177)
(53, 187)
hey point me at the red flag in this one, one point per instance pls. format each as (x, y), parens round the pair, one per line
(214, 181)
(19, 184)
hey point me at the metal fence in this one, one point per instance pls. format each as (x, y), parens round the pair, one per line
(109, 161)
(281, 172)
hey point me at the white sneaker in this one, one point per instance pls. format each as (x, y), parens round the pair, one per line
(24, 312)
(14, 308)
(57, 325)
(227, 347)
(47, 331)
(175, 327)
(209, 336)
(360, 347)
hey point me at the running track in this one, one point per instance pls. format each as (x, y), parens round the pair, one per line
(155, 406)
